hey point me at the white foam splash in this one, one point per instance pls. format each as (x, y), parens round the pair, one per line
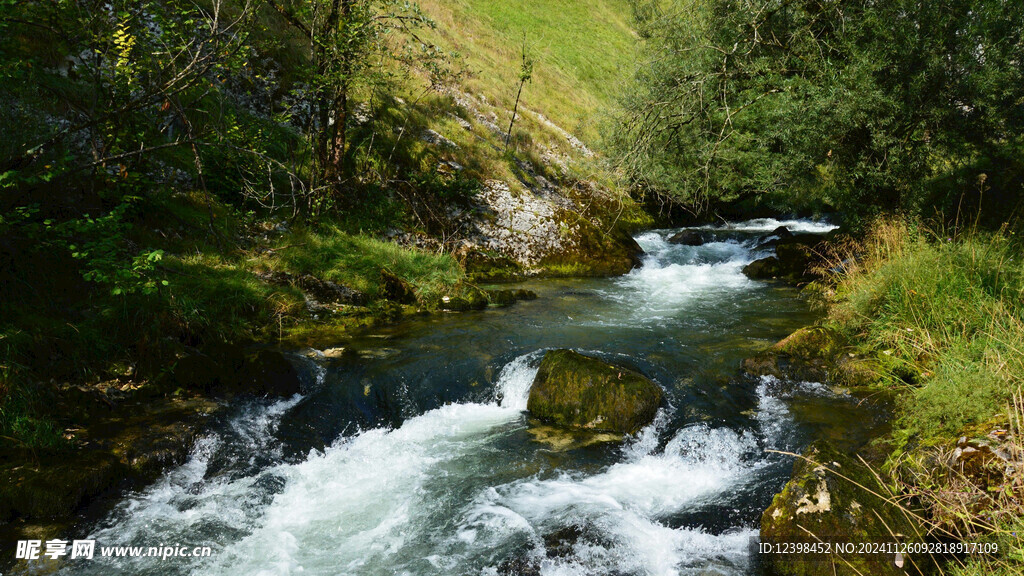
(769, 224)
(623, 506)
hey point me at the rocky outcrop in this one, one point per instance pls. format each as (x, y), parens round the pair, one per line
(834, 498)
(542, 229)
(578, 391)
(321, 295)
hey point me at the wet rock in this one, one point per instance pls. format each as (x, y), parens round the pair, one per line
(126, 447)
(819, 505)
(774, 237)
(794, 259)
(474, 299)
(805, 354)
(523, 294)
(327, 291)
(578, 391)
(269, 373)
(782, 232)
(559, 543)
(197, 372)
(60, 488)
(395, 289)
(519, 565)
(814, 353)
(688, 238)
(503, 298)
(763, 269)
(558, 439)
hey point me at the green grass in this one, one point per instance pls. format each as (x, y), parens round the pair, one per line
(583, 53)
(945, 315)
(356, 261)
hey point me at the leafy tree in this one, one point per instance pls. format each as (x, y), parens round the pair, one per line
(863, 105)
(351, 45)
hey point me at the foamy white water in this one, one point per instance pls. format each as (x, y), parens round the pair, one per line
(452, 491)
(769, 224)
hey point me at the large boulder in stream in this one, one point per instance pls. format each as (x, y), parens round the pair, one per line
(578, 391)
(796, 257)
(688, 238)
(834, 498)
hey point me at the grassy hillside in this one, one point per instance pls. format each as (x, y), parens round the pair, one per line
(583, 52)
(140, 260)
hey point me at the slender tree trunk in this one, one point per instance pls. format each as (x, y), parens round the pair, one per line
(515, 109)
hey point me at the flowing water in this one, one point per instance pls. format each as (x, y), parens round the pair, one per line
(411, 453)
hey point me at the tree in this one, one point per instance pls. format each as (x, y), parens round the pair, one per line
(862, 105)
(525, 75)
(348, 41)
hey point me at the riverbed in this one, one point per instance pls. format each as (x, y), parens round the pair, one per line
(409, 451)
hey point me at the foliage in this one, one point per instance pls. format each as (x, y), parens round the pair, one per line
(865, 105)
(944, 312)
(356, 261)
(941, 310)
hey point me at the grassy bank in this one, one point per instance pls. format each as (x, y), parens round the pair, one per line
(941, 312)
(205, 288)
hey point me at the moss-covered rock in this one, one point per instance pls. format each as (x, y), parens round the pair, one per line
(813, 353)
(763, 269)
(578, 391)
(484, 266)
(831, 498)
(794, 260)
(504, 298)
(594, 252)
(396, 289)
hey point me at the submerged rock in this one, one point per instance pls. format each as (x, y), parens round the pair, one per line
(503, 298)
(829, 499)
(560, 543)
(578, 391)
(269, 373)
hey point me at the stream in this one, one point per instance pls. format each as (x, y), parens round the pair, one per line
(410, 452)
